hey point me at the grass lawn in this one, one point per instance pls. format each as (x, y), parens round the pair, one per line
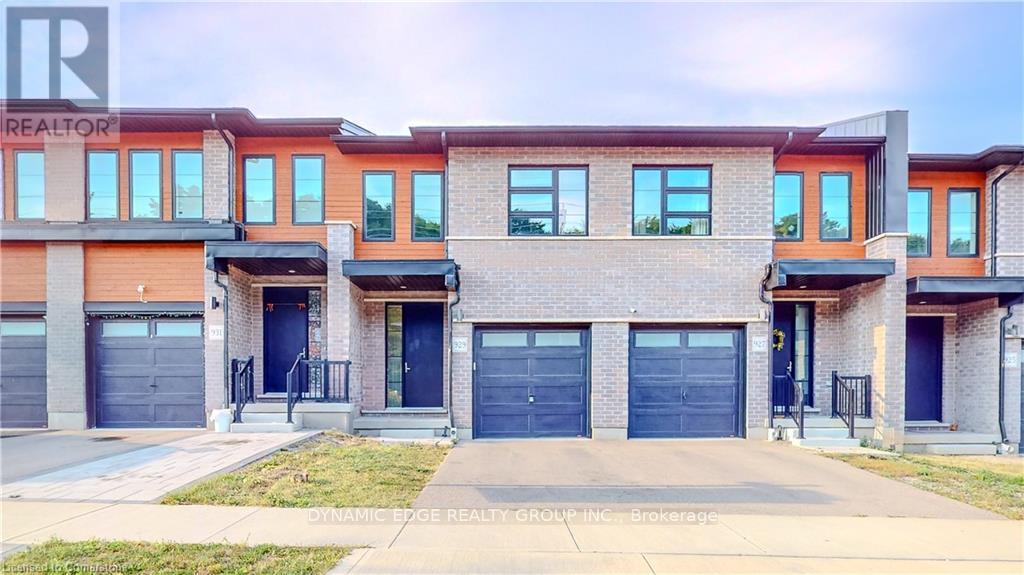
(329, 470)
(988, 482)
(56, 556)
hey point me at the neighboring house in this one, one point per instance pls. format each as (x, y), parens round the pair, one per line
(604, 282)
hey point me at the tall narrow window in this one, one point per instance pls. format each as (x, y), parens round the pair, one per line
(672, 201)
(835, 207)
(789, 194)
(393, 342)
(919, 217)
(802, 326)
(102, 185)
(308, 189)
(378, 206)
(145, 184)
(188, 184)
(547, 201)
(427, 206)
(29, 185)
(258, 189)
(963, 223)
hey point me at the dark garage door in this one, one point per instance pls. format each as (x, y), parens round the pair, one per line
(530, 383)
(148, 373)
(684, 382)
(22, 372)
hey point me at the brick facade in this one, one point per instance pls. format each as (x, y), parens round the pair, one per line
(218, 164)
(64, 166)
(66, 401)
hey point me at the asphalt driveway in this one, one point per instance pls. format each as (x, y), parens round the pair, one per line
(24, 453)
(727, 476)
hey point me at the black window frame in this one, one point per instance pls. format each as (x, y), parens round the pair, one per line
(174, 182)
(131, 184)
(323, 189)
(117, 185)
(554, 191)
(802, 220)
(849, 207)
(928, 234)
(412, 186)
(273, 189)
(17, 193)
(666, 190)
(394, 193)
(977, 221)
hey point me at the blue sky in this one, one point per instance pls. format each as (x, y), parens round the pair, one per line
(959, 68)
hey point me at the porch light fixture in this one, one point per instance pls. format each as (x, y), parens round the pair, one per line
(214, 304)
(803, 287)
(291, 271)
(403, 287)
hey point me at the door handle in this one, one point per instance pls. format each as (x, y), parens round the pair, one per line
(531, 399)
(152, 385)
(684, 395)
(407, 368)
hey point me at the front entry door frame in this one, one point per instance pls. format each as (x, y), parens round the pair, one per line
(285, 332)
(923, 393)
(785, 321)
(414, 355)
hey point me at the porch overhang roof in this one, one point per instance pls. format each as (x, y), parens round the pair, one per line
(827, 274)
(399, 275)
(268, 258)
(957, 290)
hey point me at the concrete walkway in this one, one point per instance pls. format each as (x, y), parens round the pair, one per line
(145, 475)
(516, 541)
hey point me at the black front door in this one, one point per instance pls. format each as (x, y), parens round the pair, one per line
(415, 355)
(285, 333)
(924, 369)
(792, 353)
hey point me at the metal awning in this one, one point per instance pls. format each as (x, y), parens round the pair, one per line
(396, 275)
(957, 290)
(827, 274)
(268, 258)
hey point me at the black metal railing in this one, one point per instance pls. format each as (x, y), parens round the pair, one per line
(851, 398)
(319, 380)
(243, 390)
(788, 400)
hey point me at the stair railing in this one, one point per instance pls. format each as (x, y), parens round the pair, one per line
(293, 390)
(851, 398)
(242, 387)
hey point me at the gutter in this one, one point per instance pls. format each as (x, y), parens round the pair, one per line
(452, 431)
(782, 149)
(995, 211)
(227, 354)
(231, 169)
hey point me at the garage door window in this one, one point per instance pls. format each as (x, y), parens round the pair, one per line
(179, 329)
(557, 339)
(657, 339)
(504, 339)
(125, 329)
(709, 339)
(23, 328)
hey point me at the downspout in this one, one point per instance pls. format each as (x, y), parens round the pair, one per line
(231, 166)
(453, 433)
(763, 295)
(227, 353)
(995, 212)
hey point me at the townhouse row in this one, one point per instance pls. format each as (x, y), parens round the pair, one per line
(604, 282)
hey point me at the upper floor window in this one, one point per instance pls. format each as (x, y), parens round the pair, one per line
(427, 206)
(101, 167)
(547, 201)
(187, 168)
(258, 189)
(29, 185)
(672, 201)
(308, 189)
(789, 213)
(919, 227)
(145, 184)
(963, 223)
(835, 206)
(378, 206)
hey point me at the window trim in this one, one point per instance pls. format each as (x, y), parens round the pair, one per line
(117, 184)
(928, 240)
(444, 198)
(174, 182)
(802, 219)
(160, 186)
(666, 190)
(554, 191)
(323, 189)
(394, 193)
(977, 221)
(821, 207)
(17, 194)
(273, 189)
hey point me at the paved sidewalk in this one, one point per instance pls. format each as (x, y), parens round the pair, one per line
(147, 474)
(614, 542)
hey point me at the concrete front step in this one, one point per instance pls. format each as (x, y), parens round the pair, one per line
(949, 437)
(401, 427)
(952, 449)
(818, 433)
(267, 427)
(822, 421)
(826, 442)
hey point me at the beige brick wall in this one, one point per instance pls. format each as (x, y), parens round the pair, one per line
(217, 165)
(65, 336)
(64, 179)
(977, 350)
